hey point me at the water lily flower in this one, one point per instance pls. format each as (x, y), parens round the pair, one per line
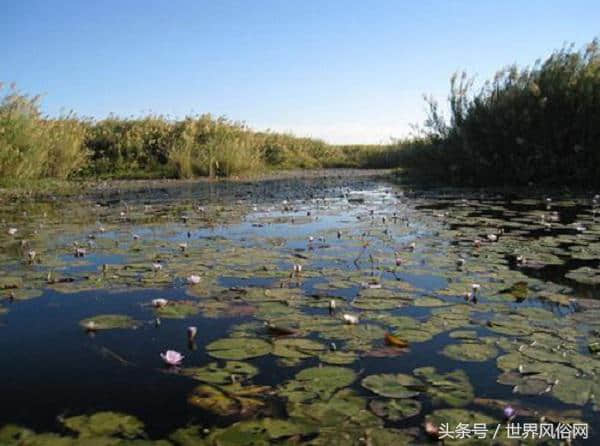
(297, 268)
(509, 412)
(492, 237)
(101, 229)
(90, 326)
(192, 332)
(136, 237)
(311, 239)
(331, 305)
(80, 252)
(31, 255)
(475, 287)
(350, 319)
(159, 303)
(431, 429)
(183, 246)
(477, 243)
(12, 231)
(156, 266)
(171, 357)
(412, 246)
(193, 279)
(398, 260)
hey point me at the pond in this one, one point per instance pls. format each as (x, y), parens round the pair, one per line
(342, 309)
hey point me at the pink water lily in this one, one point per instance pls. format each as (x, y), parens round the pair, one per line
(172, 357)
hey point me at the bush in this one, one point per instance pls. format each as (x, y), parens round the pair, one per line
(537, 124)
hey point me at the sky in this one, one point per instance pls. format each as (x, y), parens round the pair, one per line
(344, 71)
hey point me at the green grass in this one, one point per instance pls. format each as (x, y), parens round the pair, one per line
(538, 124)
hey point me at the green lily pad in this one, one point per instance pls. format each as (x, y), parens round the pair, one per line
(317, 382)
(297, 348)
(215, 374)
(393, 385)
(105, 423)
(427, 301)
(238, 348)
(470, 351)
(396, 409)
(108, 322)
(178, 310)
(453, 388)
(338, 357)
(234, 399)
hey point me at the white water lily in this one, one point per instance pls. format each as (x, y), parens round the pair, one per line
(350, 319)
(475, 287)
(157, 266)
(90, 326)
(492, 237)
(80, 252)
(183, 246)
(12, 231)
(194, 279)
(477, 243)
(159, 303)
(171, 357)
(31, 255)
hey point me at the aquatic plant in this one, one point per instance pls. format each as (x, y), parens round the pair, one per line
(172, 357)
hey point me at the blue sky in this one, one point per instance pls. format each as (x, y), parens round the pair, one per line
(345, 71)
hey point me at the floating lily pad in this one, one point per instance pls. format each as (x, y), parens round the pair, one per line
(393, 385)
(453, 388)
(470, 351)
(178, 310)
(229, 400)
(427, 301)
(108, 322)
(215, 374)
(297, 348)
(238, 348)
(338, 357)
(105, 423)
(317, 382)
(396, 409)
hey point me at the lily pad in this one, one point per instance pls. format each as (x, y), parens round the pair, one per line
(108, 322)
(393, 385)
(238, 348)
(178, 310)
(396, 409)
(470, 351)
(297, 348)
(105, 423)
(215, 374)
(317, 382)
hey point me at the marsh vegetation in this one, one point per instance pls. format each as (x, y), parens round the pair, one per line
(202, 314)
